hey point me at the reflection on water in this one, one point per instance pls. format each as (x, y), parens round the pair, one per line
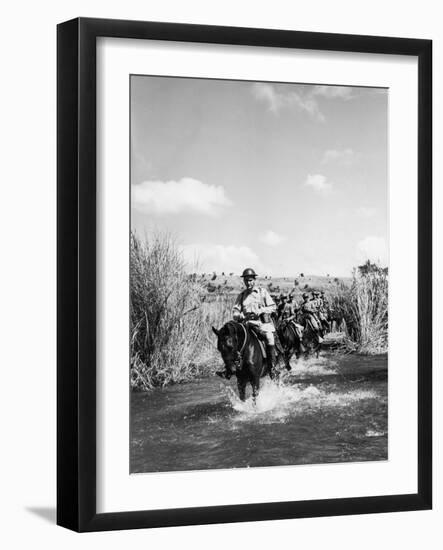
(331, 409)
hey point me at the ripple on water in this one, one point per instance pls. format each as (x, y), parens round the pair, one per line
(320, 366)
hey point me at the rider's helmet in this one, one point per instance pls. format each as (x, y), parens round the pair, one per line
(282, 296)
(316, 293)
(249, 272)
(305, 295)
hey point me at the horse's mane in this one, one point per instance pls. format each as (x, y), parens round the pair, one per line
(229, 328)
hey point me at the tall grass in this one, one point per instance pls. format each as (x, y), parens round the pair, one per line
(365, 310)
(171, 338)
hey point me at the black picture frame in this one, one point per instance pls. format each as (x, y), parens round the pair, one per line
(76, 279)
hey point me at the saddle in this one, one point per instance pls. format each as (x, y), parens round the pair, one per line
(262, 340)
(313, 323)
(298, 329)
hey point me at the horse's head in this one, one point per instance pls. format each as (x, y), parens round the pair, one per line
(227, 345)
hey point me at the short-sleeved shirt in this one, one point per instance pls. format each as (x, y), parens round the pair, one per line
(288, 310)
(309, 307)
(249, 301)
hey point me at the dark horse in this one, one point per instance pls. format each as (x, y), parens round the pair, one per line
(242, 354)
(312, 336)
(290, 340)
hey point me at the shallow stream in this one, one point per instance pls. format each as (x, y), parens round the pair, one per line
(331, 409)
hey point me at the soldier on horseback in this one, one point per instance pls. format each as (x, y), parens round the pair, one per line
(296, 308)
(287, 313)
(324, 311)
(310, 308)
(254, 306)
(318, 302)
(281, 306)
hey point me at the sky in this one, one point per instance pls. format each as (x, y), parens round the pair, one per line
(284, 178)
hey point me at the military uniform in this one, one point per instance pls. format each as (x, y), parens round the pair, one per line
(310, 314)
(281, 305)
(325, 305)
(251, 305)
(289, 315)
(255, 306)
(317, 304)
(297, 311)
(323, 309)
(288, 312)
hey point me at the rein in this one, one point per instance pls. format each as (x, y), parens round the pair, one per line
(245, 341)
(242, 347)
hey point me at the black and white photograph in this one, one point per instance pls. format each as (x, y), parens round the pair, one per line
(258, 274)
(222, 305)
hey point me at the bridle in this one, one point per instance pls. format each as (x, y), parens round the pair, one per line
(240, 350)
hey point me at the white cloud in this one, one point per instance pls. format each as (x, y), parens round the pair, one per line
(217, 257)
(173, 197)
(319, 183)
(366, 212)
(344, 156)
(374, 249)
(266, 92)
(277, 100)
(272, 239)
(332, 92)
(303, 99)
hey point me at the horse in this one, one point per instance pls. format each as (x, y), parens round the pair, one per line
(242, 353)
(290, 341)
(336, 322)
(311, 339)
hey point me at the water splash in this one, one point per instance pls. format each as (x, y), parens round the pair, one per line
(278, 401)
(374, 433)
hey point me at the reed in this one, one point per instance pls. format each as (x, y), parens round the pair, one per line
(364, 307)
(171, 316)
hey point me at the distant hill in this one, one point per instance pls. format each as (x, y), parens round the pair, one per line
(220, 283)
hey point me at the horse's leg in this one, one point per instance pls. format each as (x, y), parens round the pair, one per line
(255, 383)
(297, 348)
(306, 347)
(241, 385)
(267, 367)
(287, 356)
(274, 374)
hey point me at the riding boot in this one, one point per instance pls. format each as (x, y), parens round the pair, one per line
(270, 354)
(278, 344)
